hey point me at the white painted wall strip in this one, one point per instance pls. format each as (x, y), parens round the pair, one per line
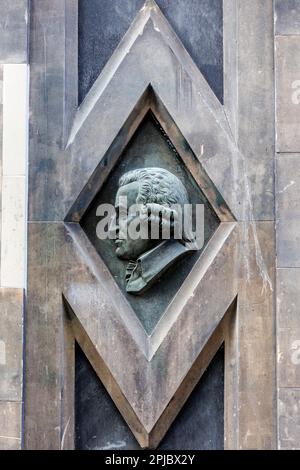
(14, 158)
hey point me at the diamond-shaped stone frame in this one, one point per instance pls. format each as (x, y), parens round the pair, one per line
(151, 102)
(144, 373)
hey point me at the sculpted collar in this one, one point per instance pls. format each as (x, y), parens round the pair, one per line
(141, 274)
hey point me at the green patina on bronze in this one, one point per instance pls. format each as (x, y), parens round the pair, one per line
(149, 147)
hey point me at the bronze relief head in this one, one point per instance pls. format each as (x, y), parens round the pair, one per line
(160, 197)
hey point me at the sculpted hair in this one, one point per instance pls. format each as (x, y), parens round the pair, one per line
(157, 186)
(158, 190)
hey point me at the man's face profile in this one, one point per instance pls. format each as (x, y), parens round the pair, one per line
(147, 225)
(128, 248)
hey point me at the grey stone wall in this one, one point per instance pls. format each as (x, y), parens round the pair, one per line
(287, 57)
(11, 303)
(198, 23)
(199, 425)
(102, 24)
(13, 50)
(13, 57)
(13, 31)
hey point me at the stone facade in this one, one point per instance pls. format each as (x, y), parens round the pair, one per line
(13, 180)
(287, 69)
(249, 154)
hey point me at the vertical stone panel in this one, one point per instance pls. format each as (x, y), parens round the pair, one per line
(249, 104)
(49, 346)
(15, 118)
(13, 164)
(287, 17)
(230, 21)
(287, 50)
(198, 23)
(256, 128)
(256, 339)
(49, 119)
(287, 37)
(199, 424)
(13, 31)
(249, 100)
(1, 141)
(11, 301)
(252, 116)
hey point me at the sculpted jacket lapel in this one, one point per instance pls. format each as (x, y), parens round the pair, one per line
(152, 265)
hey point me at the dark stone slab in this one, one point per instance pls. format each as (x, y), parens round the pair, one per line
(148, 148)
(99, 425)
(103, 23)
(287, 17)
(13, 31)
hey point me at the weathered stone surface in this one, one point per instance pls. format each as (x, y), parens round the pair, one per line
(8, 443)
(198, 25)
(148, 148)
(14, 152)
(56, 251)
(230, 23)
(288, 327)
(249, 101)
(288, 353)
(152, 366)
(289, 419)
(287, 49)
(1, 85)
(199, 424)
(11, 336)
(287, 17)
(288, 296)
(1, 142)
(13, 31)
(46, 351)
(251, 344)
(287, 93)
(62, 175)
(10, 419)
(288, 210)
(181, 321)
(47, 102)
(13, 232)
(15, 119)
